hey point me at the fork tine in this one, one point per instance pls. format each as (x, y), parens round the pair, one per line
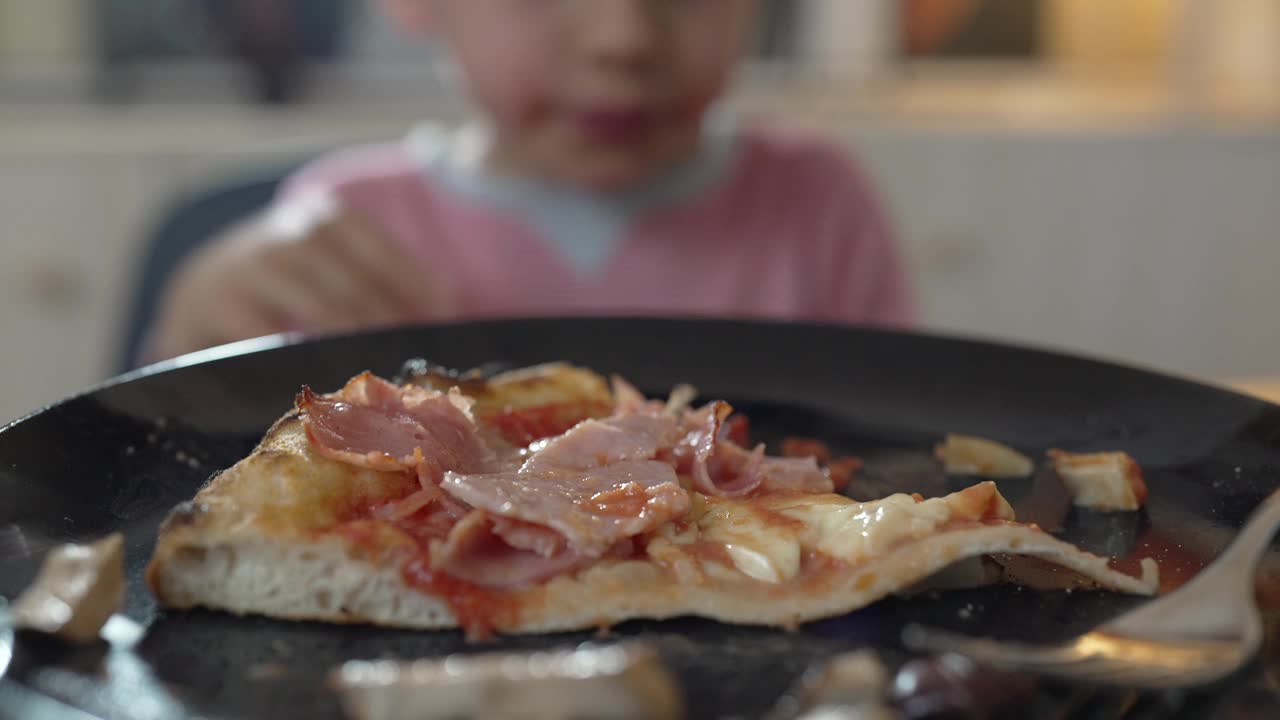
(1118, 673)
(1066, 665)
(1149, 679)
(1096, 670)
(1081, 661)
(1157, 678)
(1090, 669)
(991, 652)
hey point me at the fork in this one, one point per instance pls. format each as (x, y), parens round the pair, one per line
(1200, 633)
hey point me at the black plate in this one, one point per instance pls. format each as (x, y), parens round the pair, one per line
(119, 457)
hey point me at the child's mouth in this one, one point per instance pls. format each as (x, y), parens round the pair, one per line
(615, 126)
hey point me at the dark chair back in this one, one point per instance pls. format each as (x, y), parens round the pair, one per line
(187, 225)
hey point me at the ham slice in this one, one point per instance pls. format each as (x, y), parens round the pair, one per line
(527, 536)
(593, 509)
(575, 498)
(428, 514)
(375, 424)
(722, 468)
(595, 485)
(698, 450)
(781, 474)
(593, 443)
(474, 552)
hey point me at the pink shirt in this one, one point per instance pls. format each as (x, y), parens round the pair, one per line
(790, 230)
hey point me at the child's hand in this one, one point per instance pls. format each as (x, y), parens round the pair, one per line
(308, 266)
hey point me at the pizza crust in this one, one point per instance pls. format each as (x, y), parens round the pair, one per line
(330, 581)
(259, 539)
(239, 552)
(270, 576)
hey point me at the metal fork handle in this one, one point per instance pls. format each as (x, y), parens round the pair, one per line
(1230, 576)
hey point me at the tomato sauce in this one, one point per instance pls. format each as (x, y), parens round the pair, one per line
(364, 534)
(521, 426)
(842, 470)
(777, 519)
(738, 430)
(818, 567)
(798, 447)
(707, 551)
(627, 500)
(478, 610)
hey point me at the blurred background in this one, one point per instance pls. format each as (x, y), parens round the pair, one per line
(1092, 175)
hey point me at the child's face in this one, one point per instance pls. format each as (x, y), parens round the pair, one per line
(599, 93)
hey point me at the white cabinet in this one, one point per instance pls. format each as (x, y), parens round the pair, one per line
(1160, 248)
(63, 259)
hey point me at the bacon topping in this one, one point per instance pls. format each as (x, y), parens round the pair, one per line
(476, 553)
(375, 424)
(577, 503)
(842, 470)
(595, 485)
(722, 468)
(839, 468)
(711, 475)
(428, 514)
(794, 474)
(593, 443)
(527, 536)
(578, 496)
(798, 447)
(523, 425)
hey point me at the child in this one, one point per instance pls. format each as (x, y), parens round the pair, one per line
(599, 181)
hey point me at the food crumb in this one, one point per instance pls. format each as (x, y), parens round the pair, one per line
(129, 450)
(966, 612)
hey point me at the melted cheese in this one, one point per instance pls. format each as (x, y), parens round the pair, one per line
(285, 483)
(860, 531)
(1100, 481)
(759, 546)
(765, 538)
(969, 455)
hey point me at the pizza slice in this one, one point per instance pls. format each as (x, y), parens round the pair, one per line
(543, 500)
